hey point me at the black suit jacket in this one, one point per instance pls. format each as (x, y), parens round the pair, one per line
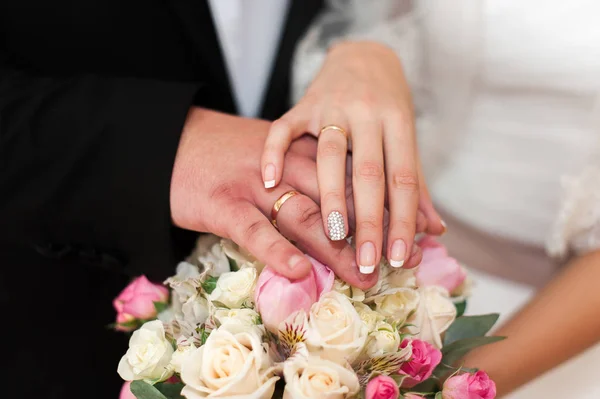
(93, 97)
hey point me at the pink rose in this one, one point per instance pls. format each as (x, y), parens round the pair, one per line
(136, 301)
(437, 268)
(277, 297)
(469, 386)
(382, 387)
(425, 358)
(126, 391)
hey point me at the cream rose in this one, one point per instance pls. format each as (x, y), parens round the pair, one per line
(233, 363)
(433, 316)
(148, 356)
(335, 331)
(235, 289)
(353, 293)
(211, 255)
(383, 339)
(398, 305)
(241, 316)
(313, 377)
(180, 355)
(368, 316)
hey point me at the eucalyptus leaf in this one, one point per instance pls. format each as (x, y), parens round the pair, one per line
(143, 390)
(456, 350)
(170, 390)
(469, 327)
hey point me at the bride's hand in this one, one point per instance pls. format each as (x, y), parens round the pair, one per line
(361, 91)
(215, 187)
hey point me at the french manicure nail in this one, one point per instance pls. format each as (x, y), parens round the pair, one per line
(366, 257)
(444, 225)
(398, 253)
(335, 226)
(269, 176)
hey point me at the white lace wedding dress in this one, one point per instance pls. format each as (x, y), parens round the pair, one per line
(507, 96)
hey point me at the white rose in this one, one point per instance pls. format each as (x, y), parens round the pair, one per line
(368, 316)
(241, 316)
(335, 331)
(313, 377)
(180, 355)
(210, 254)
(195, 310)
(232, 363)
(148, 356)
(433, 316)
(384, 339)
(235, 289)
(355, 294)
(398, 305)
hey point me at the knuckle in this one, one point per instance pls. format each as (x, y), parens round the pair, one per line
(334, 197)
(253, 230)
(369, 225)
(370, 171)
(405, 181)
(309, 217)
(222, 191)
(403, 226)
(330, 148)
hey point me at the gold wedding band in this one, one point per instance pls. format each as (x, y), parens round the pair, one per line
(334, 127)
(279, 203)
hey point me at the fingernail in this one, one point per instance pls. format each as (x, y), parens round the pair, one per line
(335, 226)
(269, 176)
(444, 225)
(398, 253)
(296, 260)
(366, 257)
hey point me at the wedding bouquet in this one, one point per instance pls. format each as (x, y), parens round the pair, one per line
(229, 327)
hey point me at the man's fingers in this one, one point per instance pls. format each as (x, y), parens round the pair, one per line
(300, 220)
(253, 231)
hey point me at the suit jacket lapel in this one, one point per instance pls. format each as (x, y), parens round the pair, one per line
(277, 97)
(198, 25)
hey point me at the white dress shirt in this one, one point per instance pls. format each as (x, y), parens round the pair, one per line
(249, 32)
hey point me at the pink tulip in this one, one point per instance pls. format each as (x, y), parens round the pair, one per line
(469, 386)
(425, 358)
(382, 387)
(126, 392)
(437, 268)
(136, 301)
(277, 297)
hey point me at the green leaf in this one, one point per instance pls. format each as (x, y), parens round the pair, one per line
(171, 391)
(204, 336)
(438, 395)
(429, 385)
(456, 350)
(143, 390)
(210, 284)
(469, 327)
(460, 308)
(160, 306)
(233, 266)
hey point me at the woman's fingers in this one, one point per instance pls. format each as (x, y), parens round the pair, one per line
(281, 134)
(368, 183)
(403, 189)
(253, 231)
(331, 173)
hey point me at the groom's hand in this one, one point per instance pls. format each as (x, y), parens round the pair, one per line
(217, 187)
